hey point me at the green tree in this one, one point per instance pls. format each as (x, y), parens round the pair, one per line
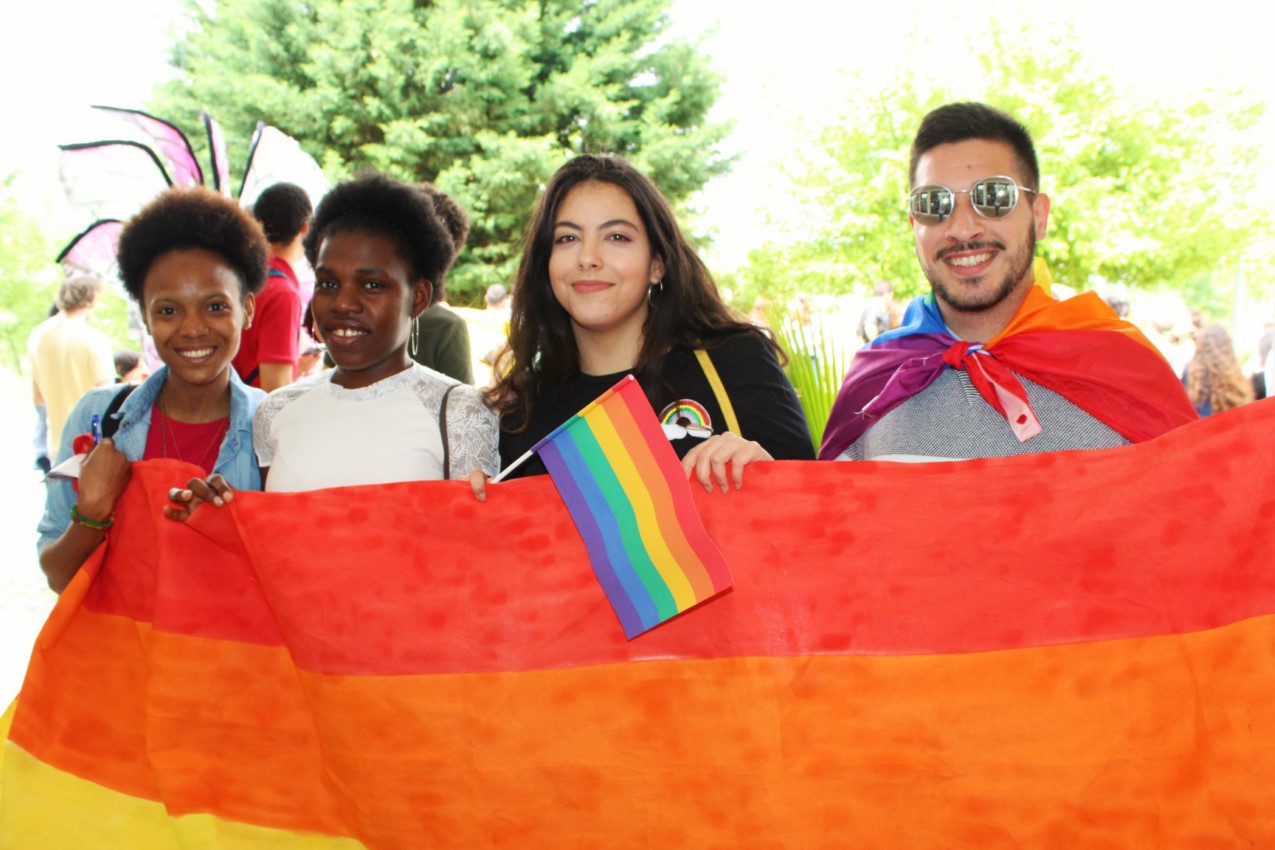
(1144, 193)
(28, 277)
(29, 280)
(484, 98)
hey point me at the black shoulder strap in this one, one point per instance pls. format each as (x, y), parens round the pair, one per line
(110, 421)
(442, 429)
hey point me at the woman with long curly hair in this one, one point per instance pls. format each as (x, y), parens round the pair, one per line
(1214, 379)
(609, 286)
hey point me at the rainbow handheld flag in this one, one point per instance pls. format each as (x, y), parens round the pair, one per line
(628, 496)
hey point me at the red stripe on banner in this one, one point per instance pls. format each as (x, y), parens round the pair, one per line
(1156, 538)
(179, 580)
(1054, 548)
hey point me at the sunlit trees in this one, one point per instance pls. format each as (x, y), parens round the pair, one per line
(28, 278)
(485, 99)
(1144, 193)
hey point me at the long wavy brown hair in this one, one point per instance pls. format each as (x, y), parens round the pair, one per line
(688, 311)
(1214, 373)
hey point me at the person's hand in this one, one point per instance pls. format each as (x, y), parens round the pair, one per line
(103, 477)
(708, 461)
(183, 502)
(478, 481)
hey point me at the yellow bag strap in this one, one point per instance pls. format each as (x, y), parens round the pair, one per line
(719, 390)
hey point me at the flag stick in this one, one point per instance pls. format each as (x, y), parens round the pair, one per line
(511, 467)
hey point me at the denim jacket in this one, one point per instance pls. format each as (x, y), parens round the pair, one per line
(236, 462)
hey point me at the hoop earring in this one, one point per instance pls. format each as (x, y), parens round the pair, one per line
(651, 290)
(415, 343)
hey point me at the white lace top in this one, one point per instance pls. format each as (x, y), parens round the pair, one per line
(315, 434)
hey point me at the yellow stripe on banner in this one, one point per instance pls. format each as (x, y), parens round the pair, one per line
(89, 816)
(644, 509)
(6, 721)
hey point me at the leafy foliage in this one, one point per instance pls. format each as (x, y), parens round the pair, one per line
(486, 99)
(28, 279)
(1144, 193)
(817, 364)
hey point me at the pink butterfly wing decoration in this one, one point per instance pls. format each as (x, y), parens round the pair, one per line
(217, 154)
(169, 143)
(95, 248)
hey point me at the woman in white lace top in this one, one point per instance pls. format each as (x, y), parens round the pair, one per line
(376, 246)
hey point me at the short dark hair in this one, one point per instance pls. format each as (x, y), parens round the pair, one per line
(126, 360)
(456, 220)
(374, 203)
(184, 218)
(283, 209)
(961, 122)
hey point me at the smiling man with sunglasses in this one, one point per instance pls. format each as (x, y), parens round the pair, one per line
(989, 364)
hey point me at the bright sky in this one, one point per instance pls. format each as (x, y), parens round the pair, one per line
(783, 66)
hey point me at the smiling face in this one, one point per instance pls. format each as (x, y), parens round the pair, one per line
(365, 298)
(600, 268)
(194, 307)
(980, 268)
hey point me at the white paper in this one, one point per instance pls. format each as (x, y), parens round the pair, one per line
(68, 469)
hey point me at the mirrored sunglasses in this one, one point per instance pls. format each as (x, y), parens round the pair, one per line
(991, 197)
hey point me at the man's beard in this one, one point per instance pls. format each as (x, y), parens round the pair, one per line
(1020, 265)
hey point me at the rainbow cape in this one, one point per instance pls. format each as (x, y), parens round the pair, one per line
(1078, 348)
(622, 483)
(1080, 654)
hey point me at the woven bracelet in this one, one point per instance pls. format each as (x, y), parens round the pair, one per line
(88, 523)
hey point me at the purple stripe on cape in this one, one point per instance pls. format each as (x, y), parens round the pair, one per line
(881, 377)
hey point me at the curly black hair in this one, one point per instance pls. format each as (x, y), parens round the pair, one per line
(456, 220)
(283, 209)
(374, 203)
(185, 218)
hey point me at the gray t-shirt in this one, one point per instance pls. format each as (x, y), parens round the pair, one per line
(949, 420)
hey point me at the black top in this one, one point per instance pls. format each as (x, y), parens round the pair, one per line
(763, 398)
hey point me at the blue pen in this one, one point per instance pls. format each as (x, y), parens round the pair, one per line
(95, 428)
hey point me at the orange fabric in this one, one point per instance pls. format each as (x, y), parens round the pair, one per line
(1123, 744)
(1084, 312)
(1087, 665)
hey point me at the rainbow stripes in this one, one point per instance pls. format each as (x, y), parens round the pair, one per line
(1080, 657)
(629, 498)
(1077, 348)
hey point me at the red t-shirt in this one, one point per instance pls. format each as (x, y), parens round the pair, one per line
(276, 325)
(198, 443)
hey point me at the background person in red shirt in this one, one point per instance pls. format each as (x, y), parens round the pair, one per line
(268, 353)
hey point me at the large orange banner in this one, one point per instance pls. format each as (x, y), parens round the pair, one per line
(1068, 650)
